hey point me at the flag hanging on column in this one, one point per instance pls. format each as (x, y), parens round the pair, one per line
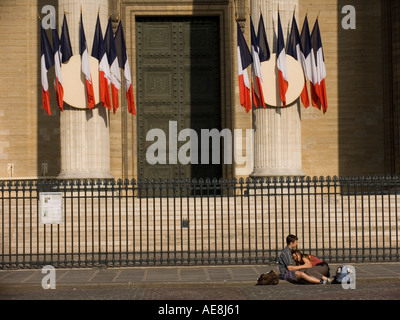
(256, 83)
(123, 62)
(321, 69)
(263, 48)
(99, 52)
(296, 51)
(114, 66)
(310, 66)
(58, 87)
(65, 42)
(281, 64)
(46, 62)
(244, 60)
(85, 65)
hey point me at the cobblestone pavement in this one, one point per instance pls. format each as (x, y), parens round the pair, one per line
(365, 290)
(210, 283)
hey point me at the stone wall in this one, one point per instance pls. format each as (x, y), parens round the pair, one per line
(348, 140)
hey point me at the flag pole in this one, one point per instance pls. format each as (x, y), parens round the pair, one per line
(236, 14)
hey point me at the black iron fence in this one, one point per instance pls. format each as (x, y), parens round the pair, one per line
(188, 222)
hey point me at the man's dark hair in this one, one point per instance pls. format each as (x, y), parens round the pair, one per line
(291, 238)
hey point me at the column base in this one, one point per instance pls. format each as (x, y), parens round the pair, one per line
(84, 175)
(277, 172)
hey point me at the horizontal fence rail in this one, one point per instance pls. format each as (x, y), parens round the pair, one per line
(191, 222)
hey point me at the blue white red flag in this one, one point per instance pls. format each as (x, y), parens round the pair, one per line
(321, 68)
(281, 64)
(295, 50)
(99, 52)
(46, 62)
(65, 42)
(310, 70)
(113, 63)
(256, 72)
(124, 63)
(263, 48)
(244, 60)
(83, 51)
(58, 87)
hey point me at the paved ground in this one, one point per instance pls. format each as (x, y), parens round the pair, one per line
(374, 281)
(218, 292)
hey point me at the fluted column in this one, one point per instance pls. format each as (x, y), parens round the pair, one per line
(277, 131)
(85, 139)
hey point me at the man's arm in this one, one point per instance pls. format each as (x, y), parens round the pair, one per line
(306, 265)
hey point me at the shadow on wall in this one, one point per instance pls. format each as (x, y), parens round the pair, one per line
(48, 127)
(361, 130)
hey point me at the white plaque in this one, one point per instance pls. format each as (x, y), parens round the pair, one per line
(271, 81)
(74, 82)
(51, 207)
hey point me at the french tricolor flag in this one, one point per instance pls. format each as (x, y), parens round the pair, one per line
(321, 69)
(281, 64)
(123, 62)
(310, 70)
(296, 51)
(85, 65)
(244, 60)
(99, 52)
(113, 63)
(256, 86)
(263, 47)
(57, 66)
(46, 62)
(65, 45)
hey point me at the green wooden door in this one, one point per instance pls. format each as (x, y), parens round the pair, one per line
(179, 87)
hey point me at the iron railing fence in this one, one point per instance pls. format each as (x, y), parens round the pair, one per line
(189, 222)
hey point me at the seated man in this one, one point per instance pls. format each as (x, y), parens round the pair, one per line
(287, 269)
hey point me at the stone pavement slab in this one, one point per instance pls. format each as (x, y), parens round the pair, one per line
(174, 275)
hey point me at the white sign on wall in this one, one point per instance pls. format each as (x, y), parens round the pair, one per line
(51, 207)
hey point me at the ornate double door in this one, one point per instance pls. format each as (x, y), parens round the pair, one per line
(179, 94)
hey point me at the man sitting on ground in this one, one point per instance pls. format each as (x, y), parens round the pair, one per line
(288, 270)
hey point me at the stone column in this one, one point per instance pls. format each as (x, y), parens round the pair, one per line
(277, 131)
(85, 139)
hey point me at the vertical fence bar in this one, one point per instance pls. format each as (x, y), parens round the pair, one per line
(328, 188)
(193, 194)
(92, 221)
(388, 187)
(362, 182)
(241, 215)
(17, 183)
(140, 189)
(396, 191)
(167, 188)
(10, 185)
(126, 199)
(382, 191)
(134, 192)
(2, 222)
(355, 195)
(369, 216)
(235, 215)
(335, 190)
